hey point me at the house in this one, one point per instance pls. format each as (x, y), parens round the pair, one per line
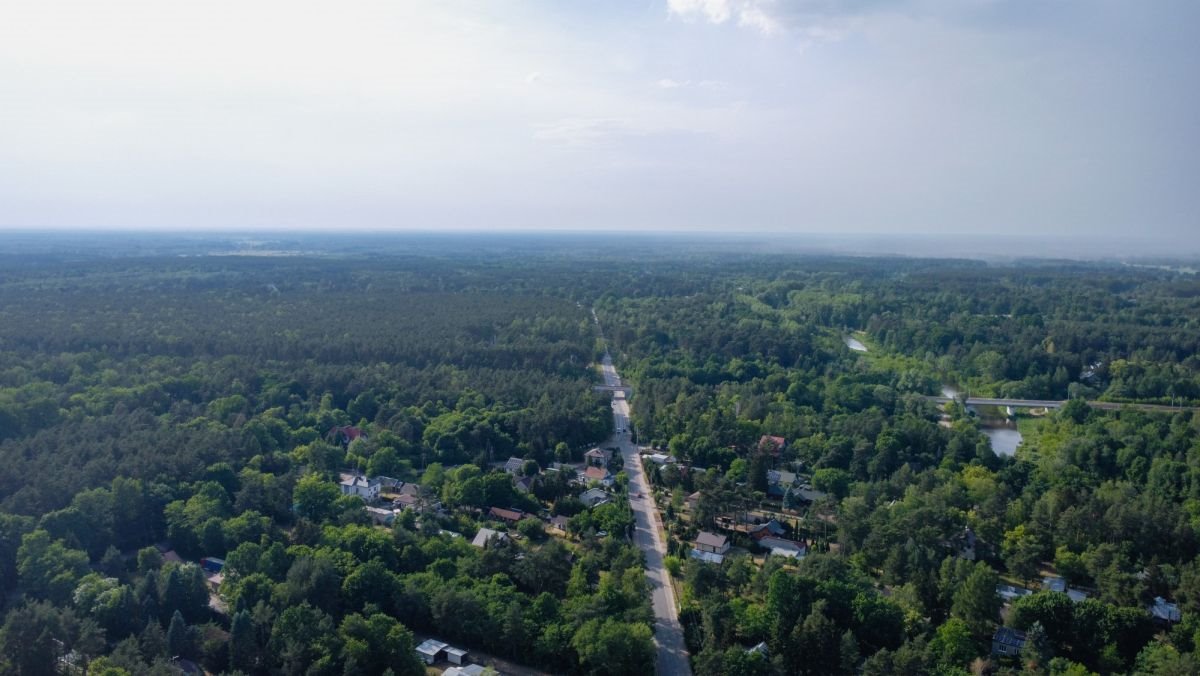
(212, 564)
(691, 501)
(485, 536)
(771, 528)
(598, 456)
(389, 483)
(771, 445)
(514, 465)
(660, 459)
(598, 474)
(431, 651)
(367, 489)
(712, 543)
(409, 489)
(1163, 611)
(1007, 641)
(403, 501)
(594, 496)
(559, 523)
(1011, 593)
(802, 496)
(345, 435)
(524, 484)
(1057, 584)
(381, 516)
(504, 514)
(779, 481)
(760, 648)
(785, 548)
(468, 670)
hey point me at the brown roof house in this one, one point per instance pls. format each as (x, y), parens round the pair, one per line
(599, 474)
(510, 515)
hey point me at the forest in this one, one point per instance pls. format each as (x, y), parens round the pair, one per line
(162, 406)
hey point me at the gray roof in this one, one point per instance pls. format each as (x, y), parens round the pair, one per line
(710, 539)
(486, 535)
(1009, 637)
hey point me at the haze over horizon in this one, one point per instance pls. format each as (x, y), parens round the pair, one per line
(1072, 119)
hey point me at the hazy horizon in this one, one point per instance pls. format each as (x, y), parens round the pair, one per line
(934, 117)
(646, 243)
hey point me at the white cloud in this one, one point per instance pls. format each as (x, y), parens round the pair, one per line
(756, 14)
(714, 11)
(668, 83)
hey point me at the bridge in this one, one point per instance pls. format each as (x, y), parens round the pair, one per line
(1051, 403)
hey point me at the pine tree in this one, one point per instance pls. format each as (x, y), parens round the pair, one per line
(242, 646)
(178, 639)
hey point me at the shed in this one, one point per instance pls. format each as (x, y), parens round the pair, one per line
(456, 655)
(431, 651)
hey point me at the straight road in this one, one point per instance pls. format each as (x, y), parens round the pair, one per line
(672, 657)
(1049, 403)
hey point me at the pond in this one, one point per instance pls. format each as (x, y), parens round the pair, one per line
(855, 344)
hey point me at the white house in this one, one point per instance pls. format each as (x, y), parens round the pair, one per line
(712, 543)
(594, 496)
(367, 489)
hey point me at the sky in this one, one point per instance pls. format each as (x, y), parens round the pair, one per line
(1071, 118)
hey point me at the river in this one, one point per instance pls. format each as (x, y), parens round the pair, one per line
(1001, 432)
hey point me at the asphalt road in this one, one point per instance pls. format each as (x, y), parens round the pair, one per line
(672, 657)
(1049, 403)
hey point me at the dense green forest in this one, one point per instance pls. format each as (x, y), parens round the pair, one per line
(155, 400)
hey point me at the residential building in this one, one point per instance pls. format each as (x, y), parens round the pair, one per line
(598, 456)
(367, 489)
(514, 465)
(594, 496)
(1011, 593)
(505, 514)
(598, 474)
(1007, 642)
(771, 528)
(712, 543)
